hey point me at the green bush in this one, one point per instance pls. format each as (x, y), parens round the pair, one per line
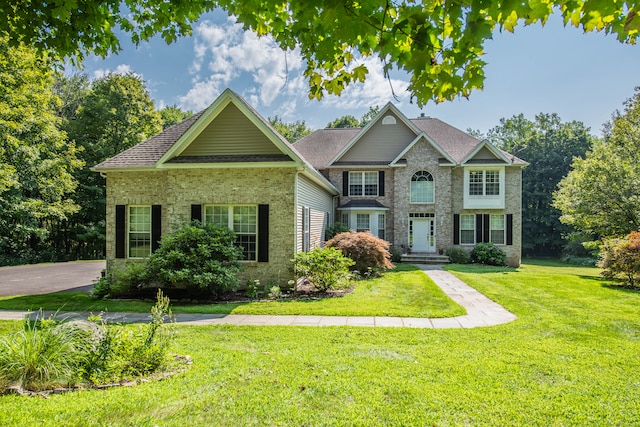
(326, 268)
(201, 258)
(489, 254)
(396, 255)
(458, 255)
(334, 229)
(620, 259)
(126, 282)
(366, 250)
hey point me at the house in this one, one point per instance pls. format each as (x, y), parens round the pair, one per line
(420, 184)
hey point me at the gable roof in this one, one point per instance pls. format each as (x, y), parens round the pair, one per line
(163, 150)
(323, 148)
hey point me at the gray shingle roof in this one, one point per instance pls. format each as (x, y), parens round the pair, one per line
(148, 153)
(321, 146)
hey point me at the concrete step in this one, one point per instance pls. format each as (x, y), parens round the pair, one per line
(425, 258)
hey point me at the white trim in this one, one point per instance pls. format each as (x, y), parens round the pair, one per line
(484, 201)
(484, 143)
(128, 228)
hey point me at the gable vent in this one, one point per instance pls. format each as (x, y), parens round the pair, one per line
(389, 120)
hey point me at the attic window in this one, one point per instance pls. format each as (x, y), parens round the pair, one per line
(389, 120)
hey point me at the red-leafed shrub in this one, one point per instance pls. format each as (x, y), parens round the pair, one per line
(365, 249)
(620, 259)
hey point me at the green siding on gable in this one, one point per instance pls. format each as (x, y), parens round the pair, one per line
(382, 143)
(231, 133)
(485, 154)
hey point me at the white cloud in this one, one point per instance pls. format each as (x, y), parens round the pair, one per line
(120, 69)
(226, 55)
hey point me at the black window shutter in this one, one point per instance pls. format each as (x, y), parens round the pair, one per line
(263, 233)
(156, 226)
(345, 183)
(479, 228)
(381, 183)
(486, 232)
(120, 230)
(509, 229)
(196, 213)
(456, 229)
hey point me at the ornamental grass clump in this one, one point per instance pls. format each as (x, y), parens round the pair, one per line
(369, 253)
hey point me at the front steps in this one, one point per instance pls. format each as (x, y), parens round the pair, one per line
(425, 258)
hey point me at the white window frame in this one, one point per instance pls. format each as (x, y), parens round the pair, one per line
(362, 185)
(130, 232)
(382, 226)
(431, 196)
(484, 199)
(360, 215)
(250, 255)
(466, 241)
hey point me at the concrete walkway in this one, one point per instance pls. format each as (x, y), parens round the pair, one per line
(481, 311)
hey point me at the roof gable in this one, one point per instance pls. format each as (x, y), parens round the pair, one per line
(381, 140)
(485, 153)
(229, 127)
(423, 136)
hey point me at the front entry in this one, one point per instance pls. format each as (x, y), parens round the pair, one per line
(422, 234)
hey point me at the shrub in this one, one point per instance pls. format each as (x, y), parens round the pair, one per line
(334, 229)
(489, 254)
(275, 292)
(326, 268)
(365, 249)
(396, 255)
(201, 258)
(458, 255)
(128, 282)
(620, 258)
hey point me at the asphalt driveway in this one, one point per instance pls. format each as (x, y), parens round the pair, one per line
(47, 278)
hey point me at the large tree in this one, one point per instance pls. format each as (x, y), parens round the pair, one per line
(116, 113)
(601, 195)
(439, 43)
(36, 160)
(172, 114)
(549, 145)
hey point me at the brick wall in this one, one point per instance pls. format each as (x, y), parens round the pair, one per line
(177, 189)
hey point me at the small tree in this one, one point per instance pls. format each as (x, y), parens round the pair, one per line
(365, 249)
(200, 257)
(326, 268)
(620, 258)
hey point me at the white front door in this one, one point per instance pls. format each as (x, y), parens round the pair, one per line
(422, 234)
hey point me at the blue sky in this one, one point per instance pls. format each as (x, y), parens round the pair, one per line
(583, 77)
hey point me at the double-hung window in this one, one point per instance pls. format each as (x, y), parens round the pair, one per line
(382, 226)
(497, 229)
(139, 231)
(362, 222)
(363, 184)
(242, 219)
(467, 229)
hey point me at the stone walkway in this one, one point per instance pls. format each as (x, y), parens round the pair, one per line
(481, 311)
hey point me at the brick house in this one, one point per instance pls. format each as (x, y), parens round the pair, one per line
(420, 184)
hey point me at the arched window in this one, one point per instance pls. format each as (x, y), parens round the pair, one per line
(422, 187)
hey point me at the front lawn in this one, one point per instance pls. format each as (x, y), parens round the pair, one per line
(405, 291)
(570, 359)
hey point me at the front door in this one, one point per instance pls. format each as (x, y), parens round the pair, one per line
(422, 234)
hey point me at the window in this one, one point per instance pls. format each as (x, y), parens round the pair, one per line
(362, 222)
(381, 225)
(467, 229)
(243, 220)
(497, 229)
(422, 187)
(363, 184)
(345, 219)
(139, 231)
(484, 183)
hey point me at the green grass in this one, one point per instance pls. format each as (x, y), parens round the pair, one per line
(405, 291)
(570, 359)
